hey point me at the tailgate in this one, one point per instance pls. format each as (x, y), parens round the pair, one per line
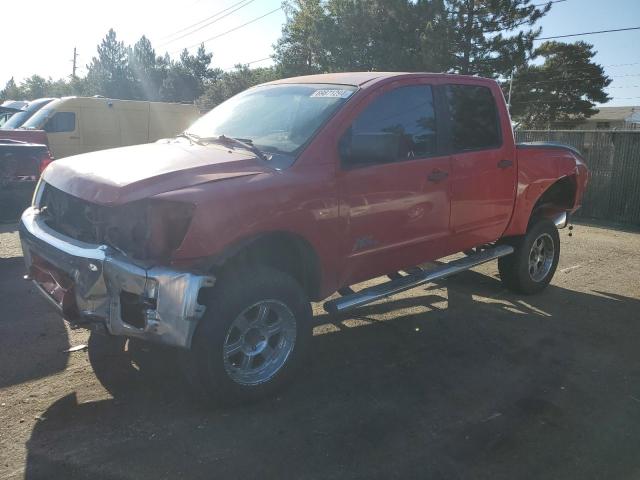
(24, 135)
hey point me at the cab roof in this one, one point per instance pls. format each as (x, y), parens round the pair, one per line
(360, 79)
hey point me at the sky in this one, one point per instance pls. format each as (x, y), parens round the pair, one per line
(43, 40)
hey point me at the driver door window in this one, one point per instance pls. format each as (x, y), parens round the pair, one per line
(398, 125)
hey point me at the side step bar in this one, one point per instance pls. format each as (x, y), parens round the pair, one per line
(407, 282)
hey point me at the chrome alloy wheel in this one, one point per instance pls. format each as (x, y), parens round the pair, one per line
(541, 257)
(259, 342)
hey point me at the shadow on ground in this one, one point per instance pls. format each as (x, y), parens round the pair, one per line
(537, 387)
(30, 349)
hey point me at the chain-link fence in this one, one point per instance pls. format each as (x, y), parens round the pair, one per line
(613, 157)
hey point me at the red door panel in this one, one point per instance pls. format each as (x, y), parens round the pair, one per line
(482, 193)
(397, 217)
(483, 165)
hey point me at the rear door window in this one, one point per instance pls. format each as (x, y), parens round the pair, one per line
(473, 117)
(61, 122)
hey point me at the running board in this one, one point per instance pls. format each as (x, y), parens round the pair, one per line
(407, 282)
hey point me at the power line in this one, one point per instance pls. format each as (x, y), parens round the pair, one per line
(207, 24)
(625, 86)
(564, 101)
(589, 33)
(576, 67)
(522, 82)
(249, 63)
(621, 64)
(545, 4)
(231, 30)
(202, 21)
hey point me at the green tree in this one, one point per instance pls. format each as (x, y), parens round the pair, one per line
(485, 37)
(11, 91)
(561, 91)
(179, 85)
(372, 35)
(109, 73)
(340, 35)
(187, 78)
(479, 39)
(35, 87)
(232, 83)
(303, 48)
(147, 75)
(64, 88)
(200, 66)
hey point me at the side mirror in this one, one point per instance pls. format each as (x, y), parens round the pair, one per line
(369, 148)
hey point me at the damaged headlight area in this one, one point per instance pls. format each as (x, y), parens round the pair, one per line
(149, 229)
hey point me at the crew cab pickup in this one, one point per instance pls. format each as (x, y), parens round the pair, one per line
(216, 241)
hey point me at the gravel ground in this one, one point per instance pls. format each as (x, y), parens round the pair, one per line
(455, 380)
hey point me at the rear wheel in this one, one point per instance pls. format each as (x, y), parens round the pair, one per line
(532, 266)
(252, 338)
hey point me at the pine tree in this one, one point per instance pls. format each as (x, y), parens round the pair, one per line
(563, 90)
(476, 37)
(35, 87)
(109, 73)
(11, 91)
(148, 72)
(480, 42)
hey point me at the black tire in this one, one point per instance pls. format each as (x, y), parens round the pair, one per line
(208, 372)
(515, 269)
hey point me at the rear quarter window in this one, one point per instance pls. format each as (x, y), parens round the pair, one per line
(474, 117)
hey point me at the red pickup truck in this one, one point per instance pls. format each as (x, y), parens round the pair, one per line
(217, 241)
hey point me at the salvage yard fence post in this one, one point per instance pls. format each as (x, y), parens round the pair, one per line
(613, 157)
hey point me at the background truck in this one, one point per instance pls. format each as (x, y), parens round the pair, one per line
(217, 241)
(21, 164)
(75, 125)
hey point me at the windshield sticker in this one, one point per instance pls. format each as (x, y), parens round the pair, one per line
(332, 93)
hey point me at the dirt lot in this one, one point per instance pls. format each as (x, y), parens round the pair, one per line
(459, 380)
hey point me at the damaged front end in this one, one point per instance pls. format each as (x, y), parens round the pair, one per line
(106, 264)
(146, 230)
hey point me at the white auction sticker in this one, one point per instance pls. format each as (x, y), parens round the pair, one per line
(332, 93)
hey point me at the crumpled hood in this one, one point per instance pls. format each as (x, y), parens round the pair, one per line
(122, 175)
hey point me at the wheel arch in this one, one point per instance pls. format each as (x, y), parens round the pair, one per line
(558, 198)
(285, 251)
(551, 200)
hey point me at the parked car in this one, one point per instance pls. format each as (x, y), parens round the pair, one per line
(24, 114)
(85, 124)
(6, 113)
(14, 104)
(217, 241)
(21, 164)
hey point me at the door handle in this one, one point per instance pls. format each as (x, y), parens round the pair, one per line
(505, 163)
(74, 137)
(437, 175)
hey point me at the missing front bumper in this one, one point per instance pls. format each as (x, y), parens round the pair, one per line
(89, 283)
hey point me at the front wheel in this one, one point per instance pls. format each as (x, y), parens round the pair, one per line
(252, 338)
(535, 259)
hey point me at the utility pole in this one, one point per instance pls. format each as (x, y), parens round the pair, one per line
(75, 56)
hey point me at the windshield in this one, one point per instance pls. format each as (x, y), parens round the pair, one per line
(278, 119)
(16, 120)
(21, 117)
(38, 120)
